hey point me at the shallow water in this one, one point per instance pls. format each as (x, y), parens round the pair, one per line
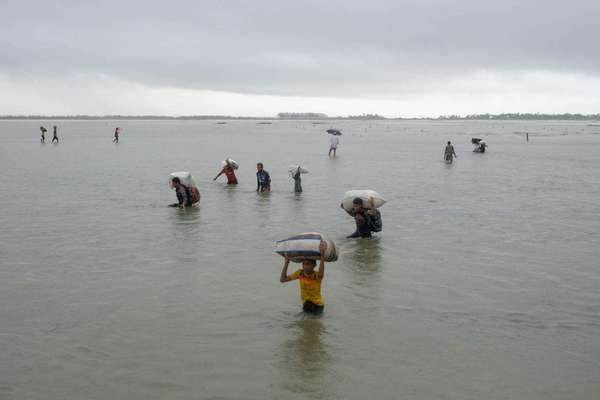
(485, 282)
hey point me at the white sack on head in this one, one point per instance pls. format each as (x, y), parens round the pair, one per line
(363, 194)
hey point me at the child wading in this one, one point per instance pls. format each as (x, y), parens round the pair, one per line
(310, 283)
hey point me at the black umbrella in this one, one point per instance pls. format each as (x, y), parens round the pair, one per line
(334, 132)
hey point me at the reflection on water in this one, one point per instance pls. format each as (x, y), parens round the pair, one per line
(305, 359)
(363, 255)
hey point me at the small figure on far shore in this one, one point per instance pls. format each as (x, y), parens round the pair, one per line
(449, 153)
(263, 179)
(54, 135)
(117, 131)
(43, 136)
(335, 141)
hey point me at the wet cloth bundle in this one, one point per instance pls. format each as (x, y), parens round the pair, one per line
(306, 246)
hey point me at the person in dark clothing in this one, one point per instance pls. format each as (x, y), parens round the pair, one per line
(184, 197)
(297, 177)
(43, 137)
(55, 135)
(367, 219)
(263, 179)
(449, 153)
(117, 131)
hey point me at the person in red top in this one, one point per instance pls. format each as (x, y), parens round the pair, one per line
(229, 172)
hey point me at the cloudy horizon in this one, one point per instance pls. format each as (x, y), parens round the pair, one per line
(397, 59)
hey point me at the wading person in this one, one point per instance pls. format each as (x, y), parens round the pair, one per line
(334, 142)
(43, 136)
(263, 179)
(54, 134)
(229, 172)
(184, 196)
(449, 153)
(367, 219)
(310, 282)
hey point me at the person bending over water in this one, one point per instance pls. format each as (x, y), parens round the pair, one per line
(449, 153)
(367, 219)
(55, 135)
(263, 179)
(229, 172)
(184, 195)
(43, 136)
(310, 283)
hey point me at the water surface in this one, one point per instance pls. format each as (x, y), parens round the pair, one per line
(485, 282)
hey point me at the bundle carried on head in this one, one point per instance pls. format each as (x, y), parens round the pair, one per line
(187, 180)
(293, 169)
(475, 140)
(230, 162)
(306, 246)
(364, 195)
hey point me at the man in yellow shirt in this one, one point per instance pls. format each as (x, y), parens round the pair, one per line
(310, 283)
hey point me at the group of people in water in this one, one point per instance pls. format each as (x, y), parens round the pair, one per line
(54, 134)
(450, 153)
(366, 216)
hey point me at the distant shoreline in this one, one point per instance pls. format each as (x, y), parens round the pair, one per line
(477, 117)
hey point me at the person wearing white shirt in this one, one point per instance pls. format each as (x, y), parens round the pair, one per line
(335, 140)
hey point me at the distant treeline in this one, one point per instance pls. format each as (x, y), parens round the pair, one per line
(292, 115)
(144, 117)
(301, 116)
(526, 116)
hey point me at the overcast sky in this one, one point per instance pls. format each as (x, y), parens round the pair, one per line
(395, 57)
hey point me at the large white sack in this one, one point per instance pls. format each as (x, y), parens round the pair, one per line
(293, 168)
(231, 162)
(363, 194)
(185, 177)
(306, 246)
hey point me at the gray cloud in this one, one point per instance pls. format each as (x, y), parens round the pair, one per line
(333, 48)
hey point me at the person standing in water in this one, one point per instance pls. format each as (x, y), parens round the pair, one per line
(367, 219)
(117, 131)
(43, 136)
(310, 283)
(263, 179)
(229, 172)
(335, 141)
(297, 177)
(449, 153)
(54, 134)
(184, 197)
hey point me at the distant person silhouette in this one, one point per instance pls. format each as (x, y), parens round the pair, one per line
(54, 134)
(43, 136)
(117, 131)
